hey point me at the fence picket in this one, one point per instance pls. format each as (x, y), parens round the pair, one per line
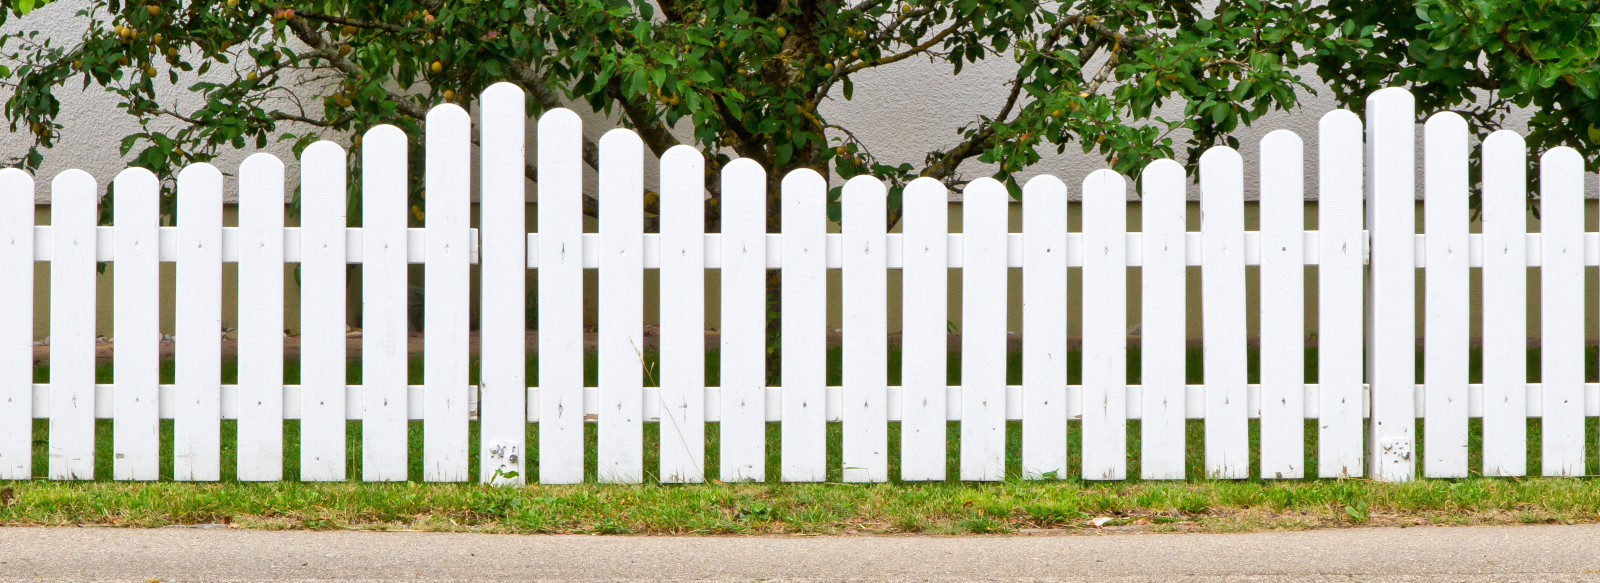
(1105, 321)
(448, 219)
(804, 327)
(621, 344)
(865, 342)
(1391, 332)
(1222, 312)
(135, 433)
(560, 297)
(1505, 308)
(983, 330)
(1561, 270)
(502, 377)
(1340, 270)
(260, 385)
(924, 324)
(683, 322)
(1044, 316)
(16, 330)
(1445, 328)
(1283, 300)
(744, 322)
(1163, 342)
(72, 309)
(322, 312)
(196, 427)
(384, 295)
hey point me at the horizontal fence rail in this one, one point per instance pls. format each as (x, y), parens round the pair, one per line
(1365, 253)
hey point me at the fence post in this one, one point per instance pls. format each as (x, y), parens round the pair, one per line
(1391, 297)
(502, 378)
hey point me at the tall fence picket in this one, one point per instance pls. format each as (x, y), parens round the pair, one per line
(803, 449)
(196, 428)
(136, 429)
(983, 330)
(260, 386)
(1162, 342)
(621, 343)
(1444, 366)
(502, 376)
(448, 215)
(323, 218)
(1222, 313)
(1283, 301)
(1561, 272)
(866, 346)
(924, 346)
(72, 308)
(1391, 317)
(560, 255)
(744, 322)
(1505, 305)
(1044, 316)
(16, 330)
(1341, 271)
(385, 290)
(1105, 322)
(683, 317)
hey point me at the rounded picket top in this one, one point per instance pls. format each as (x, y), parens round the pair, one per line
(984, 190)
(682, 154)
(1503, 143)
(502, 92)
(322, 151)
(136, 186)
(560, 119)
(1340, 122)
(1391, 97)
(1284, 139)
(1446, 121)
(73, 182)
(863, 189)
(926, 187)
(744, 169)
(260, 162)
(1220, 157)
(1104, 180)
(621, 138)
(1562, 157)
(1162, 179)
(1045, 186)
(448, 113)
(804, 186)
(198, 184)
(16, 180)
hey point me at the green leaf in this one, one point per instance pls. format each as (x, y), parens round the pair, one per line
(24, 6)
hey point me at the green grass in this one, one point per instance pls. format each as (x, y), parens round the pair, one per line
(776, 507)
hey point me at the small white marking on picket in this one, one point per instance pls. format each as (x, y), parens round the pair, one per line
(135, 436)
(983, 330)
(323, 220)
(865, 342)
(196, 427)
(260, 429)
(1283, 301)
(744, 321)
(1163, 342)
(16, 330)
(1341, 265)
(447, 217)
(683, 322)
(804, 327)
(560, 219)
(1505, 307)
(924, 325)
(1447, 285)
(1562, 297)
(1044, 317)
(621, 343)
(502, 376)
(384, 295)
(1105, 323)
(1391, 313)
(1227, 440)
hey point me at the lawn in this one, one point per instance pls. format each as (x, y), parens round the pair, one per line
(948, 507)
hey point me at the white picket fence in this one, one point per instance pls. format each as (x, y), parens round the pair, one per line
(1366, 304)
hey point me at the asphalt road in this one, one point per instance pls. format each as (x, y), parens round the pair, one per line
(1524, 553)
